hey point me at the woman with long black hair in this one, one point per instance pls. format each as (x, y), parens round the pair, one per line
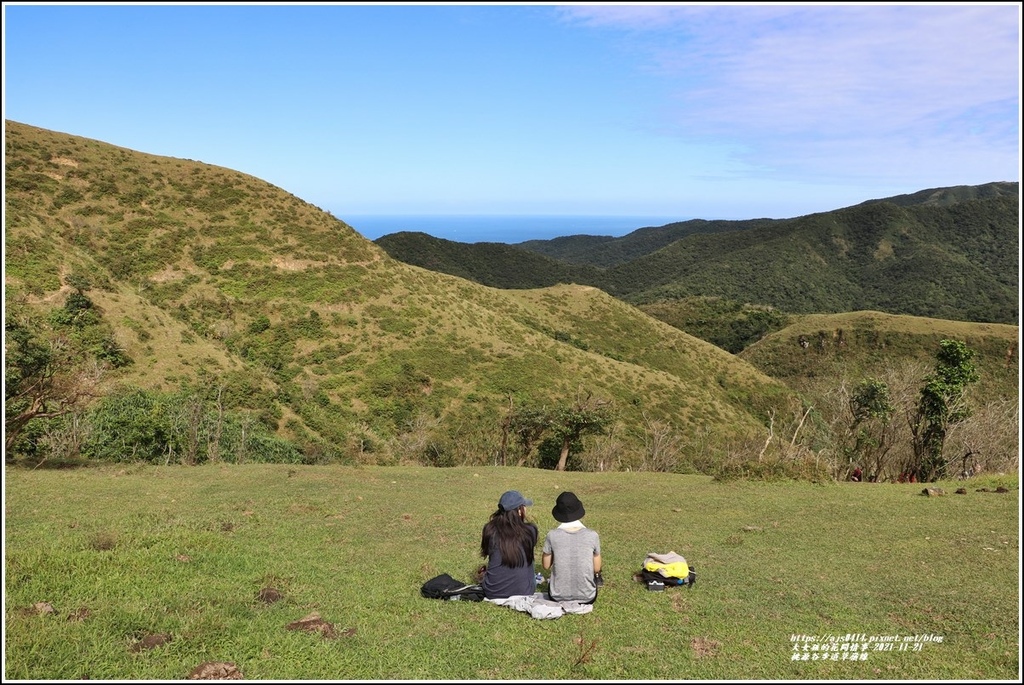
(507, 543)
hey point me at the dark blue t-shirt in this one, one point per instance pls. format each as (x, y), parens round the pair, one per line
(501, 581)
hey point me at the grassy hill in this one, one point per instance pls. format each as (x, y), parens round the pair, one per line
(866, 341)
(827, 358)
(212, 289)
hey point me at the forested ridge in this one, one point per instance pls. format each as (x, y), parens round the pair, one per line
(949, 253)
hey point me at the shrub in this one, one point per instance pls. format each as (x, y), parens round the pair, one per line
(130, 425)
(67, 196)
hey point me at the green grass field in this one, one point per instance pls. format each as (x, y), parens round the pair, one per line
(123, 554)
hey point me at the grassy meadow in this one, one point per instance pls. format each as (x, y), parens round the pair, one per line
(146, 572)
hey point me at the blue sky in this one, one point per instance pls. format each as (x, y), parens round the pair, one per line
(710, 111)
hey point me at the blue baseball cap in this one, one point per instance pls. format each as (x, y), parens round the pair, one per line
(512, 500)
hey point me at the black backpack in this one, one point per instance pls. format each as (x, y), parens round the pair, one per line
(446, 587)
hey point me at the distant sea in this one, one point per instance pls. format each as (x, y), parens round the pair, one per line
(465, 228)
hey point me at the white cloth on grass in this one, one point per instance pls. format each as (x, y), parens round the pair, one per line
(538, 606)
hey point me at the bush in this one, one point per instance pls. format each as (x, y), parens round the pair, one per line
(134, 425)
(130, 425)
(67, 196)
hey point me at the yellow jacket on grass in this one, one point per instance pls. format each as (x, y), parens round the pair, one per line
(670, 565)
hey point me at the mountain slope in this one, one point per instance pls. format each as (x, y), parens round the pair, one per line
(609, 252)
(495, 264)
(210, 276)
(953, 195)
(957, 262)
(950, 253)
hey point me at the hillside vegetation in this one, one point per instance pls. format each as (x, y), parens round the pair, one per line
(865, 342)
(169, 311)
(495, 264)
(849, 308)
(833, 360)
(188, 310)
(609, 252)
(949, 253)
(956, 262)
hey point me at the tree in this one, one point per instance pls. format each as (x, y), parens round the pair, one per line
(526, 425)
(872, 429)
(941, 405)
(569, 423)
(564, 425)
(43, 378)
(662, 445)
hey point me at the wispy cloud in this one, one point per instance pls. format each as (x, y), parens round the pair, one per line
(797, 86)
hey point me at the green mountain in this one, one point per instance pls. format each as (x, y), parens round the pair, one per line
(498, 265)
(957, 262)
(950, 253)
(609, 252)
(953, 195)
(185, 287)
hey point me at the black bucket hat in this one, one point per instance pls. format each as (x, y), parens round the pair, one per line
(568, 507)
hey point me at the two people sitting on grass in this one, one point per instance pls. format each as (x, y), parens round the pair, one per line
(571, 551)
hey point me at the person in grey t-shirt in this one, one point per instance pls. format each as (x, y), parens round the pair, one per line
(573, 553)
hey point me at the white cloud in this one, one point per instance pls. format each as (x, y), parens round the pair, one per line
(805, 87)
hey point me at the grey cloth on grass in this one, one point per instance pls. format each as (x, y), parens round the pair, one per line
(538, 606)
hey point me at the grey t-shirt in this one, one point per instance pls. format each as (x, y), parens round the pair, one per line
(572, 570)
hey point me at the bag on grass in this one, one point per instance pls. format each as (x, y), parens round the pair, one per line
(646, 576)
(446, 587)
(671, 569)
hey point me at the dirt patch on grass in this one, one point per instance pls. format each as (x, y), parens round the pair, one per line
(703, 647)
(314, 624)
(216, 670)
(79, 614)
(150, 641)
(269, 595)
(37, 609)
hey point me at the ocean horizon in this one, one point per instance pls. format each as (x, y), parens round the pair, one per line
(492, 228)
